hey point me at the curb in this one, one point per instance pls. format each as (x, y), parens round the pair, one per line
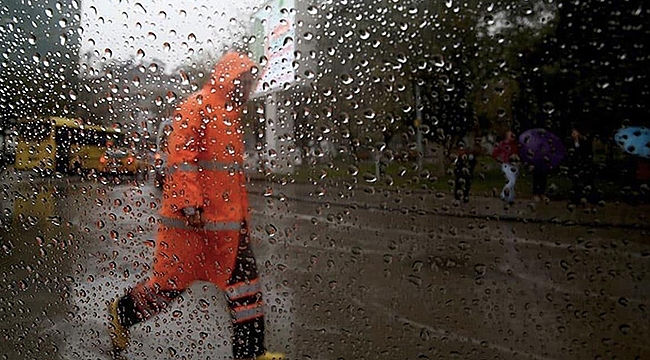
(495, 210)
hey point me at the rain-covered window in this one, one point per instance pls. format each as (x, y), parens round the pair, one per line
(314, 179)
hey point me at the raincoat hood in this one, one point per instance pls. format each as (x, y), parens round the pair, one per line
(230, 66)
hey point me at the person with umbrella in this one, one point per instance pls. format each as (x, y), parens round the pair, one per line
(581, 170)
(635, 140)
(543, 151)
(506, 153)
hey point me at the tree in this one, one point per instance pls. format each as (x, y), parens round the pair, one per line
(465, 56)
(592, 72)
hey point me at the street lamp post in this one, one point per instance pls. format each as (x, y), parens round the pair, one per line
(418, 125)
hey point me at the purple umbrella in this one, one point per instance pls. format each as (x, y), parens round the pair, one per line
(541, 148)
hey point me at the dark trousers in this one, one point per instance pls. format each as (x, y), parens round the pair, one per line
(464, 171)
(540, 179)
(248, 325)
(463, 185)
(583, 187)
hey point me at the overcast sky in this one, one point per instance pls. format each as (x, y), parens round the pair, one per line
(169, 30)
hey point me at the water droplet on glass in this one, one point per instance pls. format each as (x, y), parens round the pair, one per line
(480, 269)
(624, 328)
(417, 266)
(185, 80)
(139, 6)
(55, 220)
(364, 34)
(548, 107)
(204, 303)
(369, 178)
(438, 60)
(171, 97)
(415, 280)
(271, 230)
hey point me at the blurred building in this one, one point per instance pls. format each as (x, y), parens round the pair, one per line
(39, 47)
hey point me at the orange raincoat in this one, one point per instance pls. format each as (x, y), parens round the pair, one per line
(205, 171)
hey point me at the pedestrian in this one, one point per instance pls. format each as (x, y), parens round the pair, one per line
(639, 180)
(204, 232)
(540, 180)
(464, 166)
(581, 168)
(507, 154)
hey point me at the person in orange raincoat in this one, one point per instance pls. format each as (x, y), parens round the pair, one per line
(204, 222)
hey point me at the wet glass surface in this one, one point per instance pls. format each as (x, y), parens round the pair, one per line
(464, 180)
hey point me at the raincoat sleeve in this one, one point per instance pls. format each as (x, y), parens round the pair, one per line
(185, 185)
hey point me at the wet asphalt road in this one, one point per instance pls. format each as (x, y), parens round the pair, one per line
(344, 279)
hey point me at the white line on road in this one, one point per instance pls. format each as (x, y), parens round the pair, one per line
(448, 333)
(342, 249)
(522, 276)
(512, 240)
(549, 285)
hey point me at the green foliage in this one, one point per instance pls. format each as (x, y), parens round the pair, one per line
(591, 72)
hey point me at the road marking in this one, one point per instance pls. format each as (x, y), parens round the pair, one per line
(447, 333)
(342, 249)
(564, 290)
(512, 240)
(502, 269)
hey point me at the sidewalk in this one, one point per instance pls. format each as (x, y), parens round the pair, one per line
(441, 203)
(620, 215)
